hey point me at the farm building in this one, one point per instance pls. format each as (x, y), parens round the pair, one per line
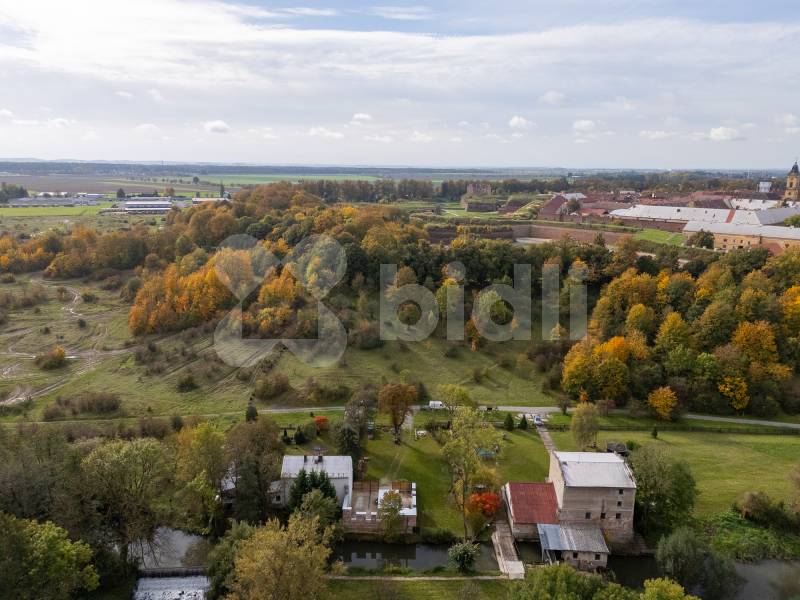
(730, 236)
(149, 205)
(338, 468)
(530, 504)
(596, 488)
(580, 545)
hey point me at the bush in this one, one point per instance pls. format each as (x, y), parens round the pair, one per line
(98, 402)
(52, 412)
(299, 436)
(366, 336)
(7, 278)
(523, 423)
(463, 555)
(451, 352)
(89, 297)
(508, 423)
(55, 359)
(271, 386)
(176, 422)
(187, 383)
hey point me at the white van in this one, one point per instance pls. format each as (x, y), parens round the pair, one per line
(435, 405)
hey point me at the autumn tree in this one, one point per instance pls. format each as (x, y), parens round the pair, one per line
(396, 399)
(285, 563)
(389, 514)
(663, 401)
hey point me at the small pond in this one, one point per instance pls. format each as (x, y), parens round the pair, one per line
(419, 557)
(172, 548)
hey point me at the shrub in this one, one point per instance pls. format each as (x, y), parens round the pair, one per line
(82, 323)
(509, 422)
(176, 422)
(271, 386)
(299, 436)
(97, 402)
(89, 297)
(52, 412)
(463, 555)
(321, 423)
(187, 383)
(7, 278)
(451, 352)
(366, 336)
(55, 359)
(523, 423)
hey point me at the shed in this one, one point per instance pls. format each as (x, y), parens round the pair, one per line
(582, 546)
(529, 504)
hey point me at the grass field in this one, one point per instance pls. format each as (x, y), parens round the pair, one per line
(724, 465)
(53, 211)
(255, 179)
(660, 237)
(419, 590)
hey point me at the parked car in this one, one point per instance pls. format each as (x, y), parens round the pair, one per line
(537, 420)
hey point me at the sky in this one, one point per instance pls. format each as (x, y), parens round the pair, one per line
(461, 83)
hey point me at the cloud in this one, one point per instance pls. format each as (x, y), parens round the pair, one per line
(553, 98)
(26, 122)
(155, 95)
(90, 136)
(147, 129)
(518, 135)
(725, 134)
(420, 137)
(517, 122)
(216, 127)
(324, 132)
(584, 126)
(306, 11)
(57, 123)
(4, 112)
(656, 134)
(456, 139)
(123, 94)
(622, 103)
(383, 139)
(360, 119)
(263, 132)
(402, 13)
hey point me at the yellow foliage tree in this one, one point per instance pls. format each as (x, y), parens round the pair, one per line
(735, 389)
(663, 401)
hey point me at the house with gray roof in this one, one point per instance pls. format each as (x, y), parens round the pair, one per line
(339, 470)
(580, 545)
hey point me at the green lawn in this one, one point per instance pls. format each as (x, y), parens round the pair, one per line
(419, 590)
(53, 211)
(523, 458)
(724, 465)
(660, 237)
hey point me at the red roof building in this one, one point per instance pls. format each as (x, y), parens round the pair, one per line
(528, 505)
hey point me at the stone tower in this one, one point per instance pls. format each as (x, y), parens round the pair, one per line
(792, 192)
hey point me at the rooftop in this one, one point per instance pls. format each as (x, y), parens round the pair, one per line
(769, 231)
(334, 466)
(532, 502)
(595, 469)
(572, 538)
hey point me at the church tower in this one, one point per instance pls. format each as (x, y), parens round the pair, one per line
(792, 193)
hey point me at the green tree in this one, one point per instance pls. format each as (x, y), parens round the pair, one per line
(585, 424)
(508, 422)
(38, 561)
(665, 489)
(127, 483)
(251, 414)
(389, 515)
(120, 194)
(396, 399)
(469, 433)
(221, 559)
(557, 582)
(664, 589)
(453, 395)
(316, 504)
(282, 563)
(463, 555)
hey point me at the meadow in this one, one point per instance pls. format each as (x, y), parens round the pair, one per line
(474, 589)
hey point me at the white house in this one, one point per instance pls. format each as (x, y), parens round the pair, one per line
(338, 468)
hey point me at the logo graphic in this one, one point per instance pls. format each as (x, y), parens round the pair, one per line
(318, 263)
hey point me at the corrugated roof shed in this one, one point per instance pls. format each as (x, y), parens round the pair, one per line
(595, 469)
(572, 538)
(532, 502)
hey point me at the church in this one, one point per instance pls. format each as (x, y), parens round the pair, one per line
(792, 193)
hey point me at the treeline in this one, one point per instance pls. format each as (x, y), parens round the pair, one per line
(725, 339)
(9, 191)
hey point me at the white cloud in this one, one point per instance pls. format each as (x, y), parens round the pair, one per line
(324, 132)
(383, 139)
(517, 122)
(59, 122)
(463, 124)
(725, 134)
(360, 119)
(553, 98)
(518, 135)
(123, 94)
(402, 13)
(155, 95)
(456, 139)
(4, 112)
(26, 122)
(147, 129)
(90, 136)
(263, 132)
(622, 103)
(216, 127)
(656, 134)
(584, 126)
(421, 137)
(306, 11)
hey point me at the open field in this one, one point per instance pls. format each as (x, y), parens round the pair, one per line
(255, 178)
(105, 358)
(660, 237)
(103, 222)
(724, 465)
(53, 211)
(419, 590)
